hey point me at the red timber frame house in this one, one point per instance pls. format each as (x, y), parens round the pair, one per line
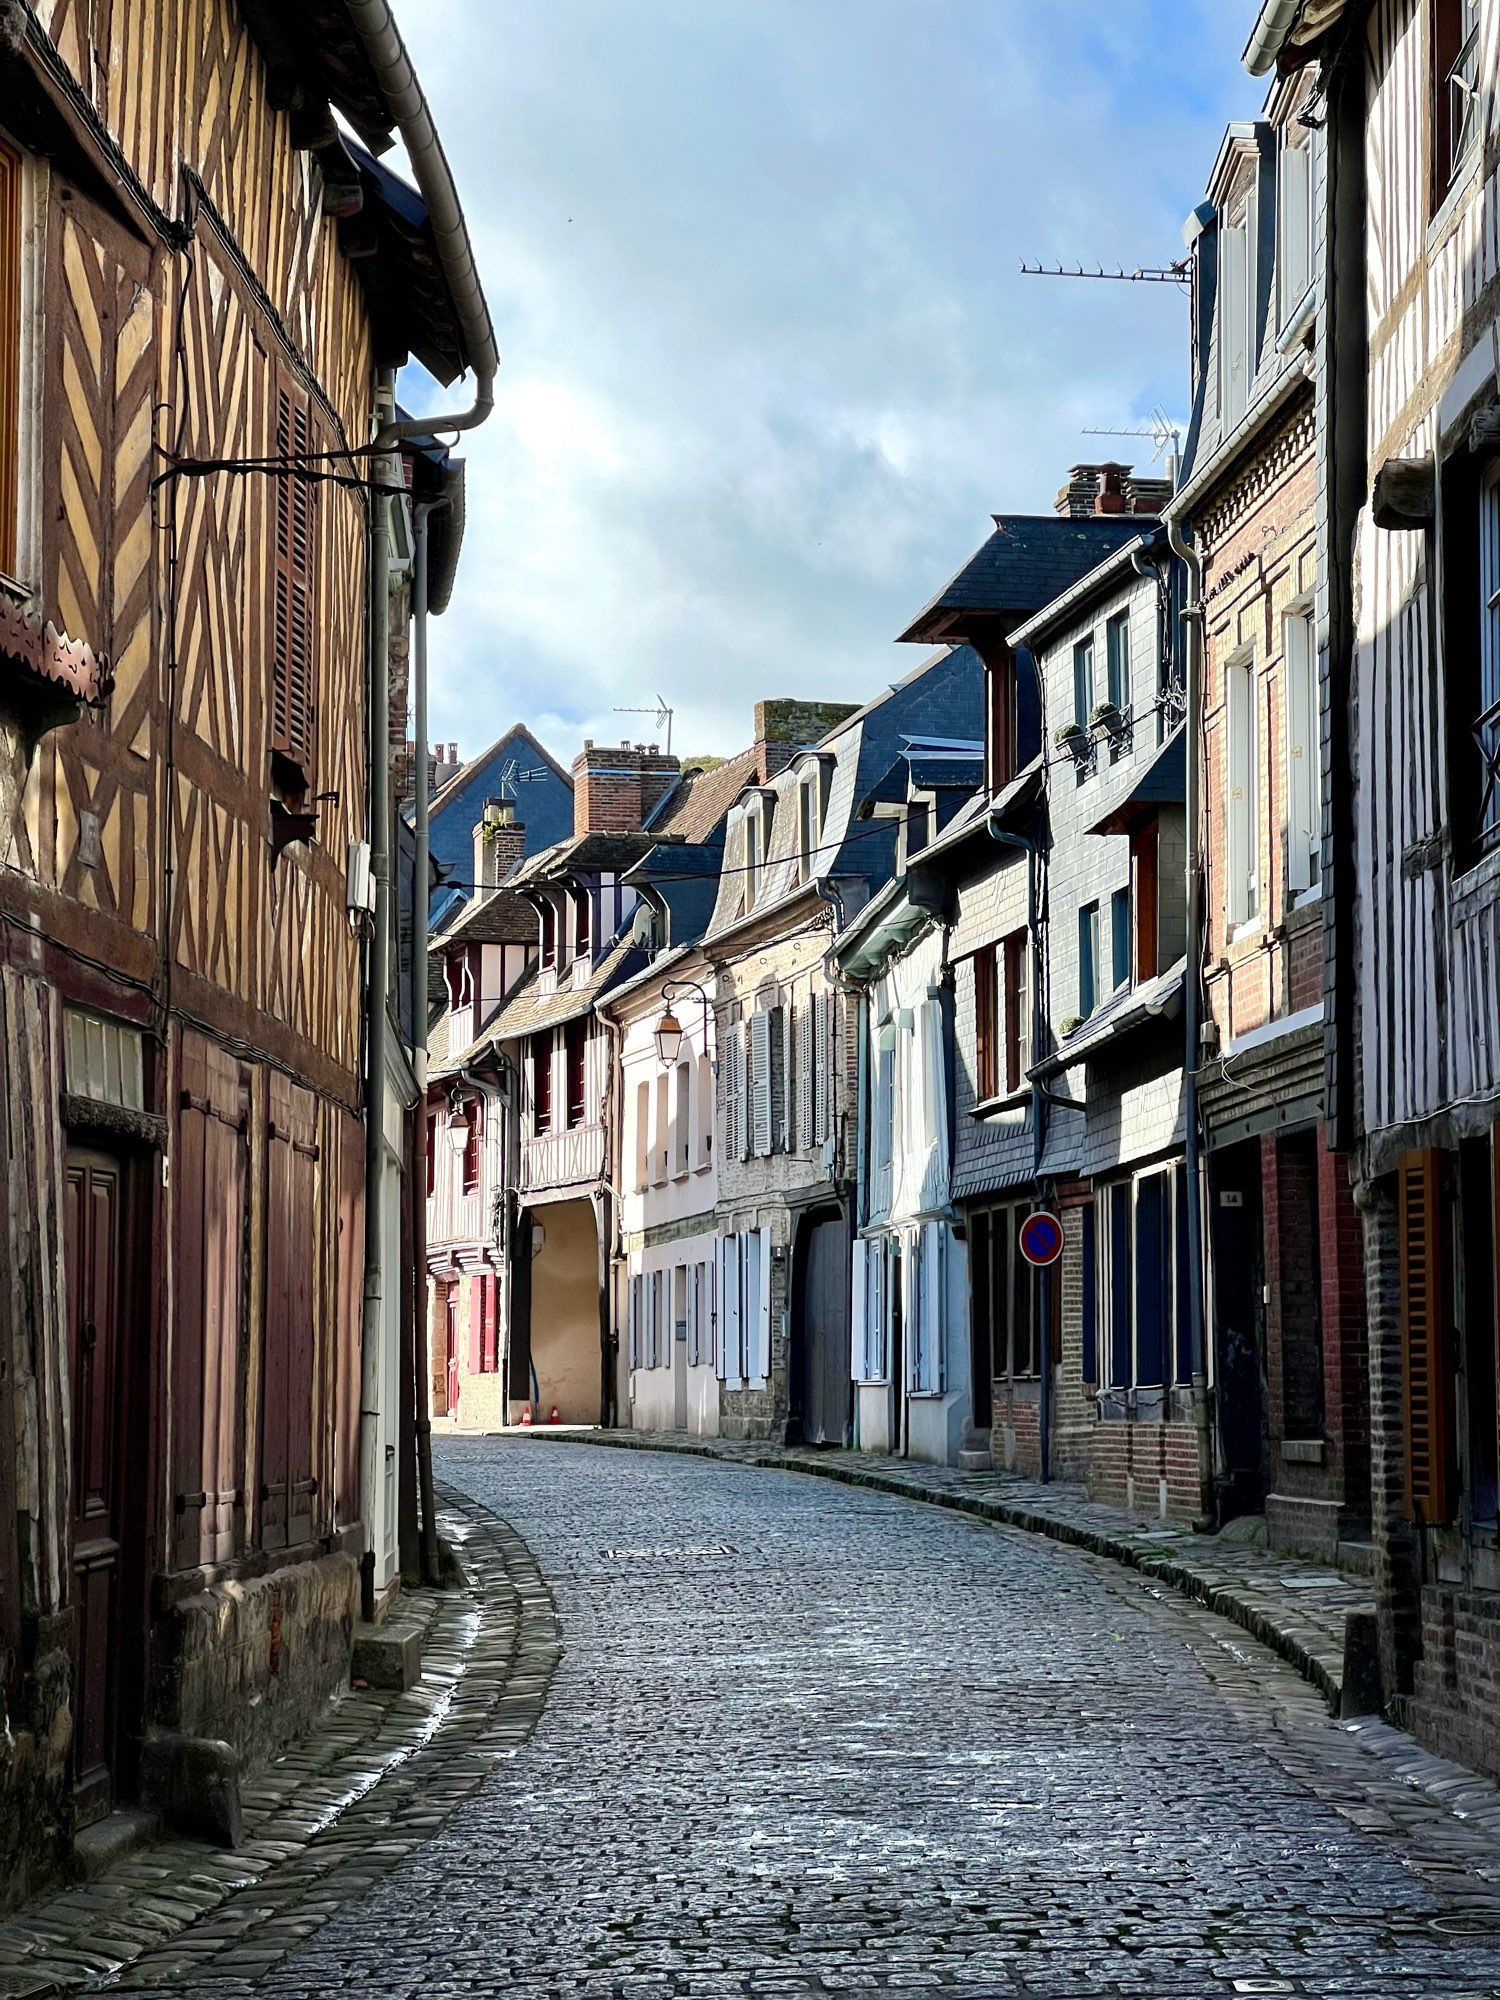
(205, 289)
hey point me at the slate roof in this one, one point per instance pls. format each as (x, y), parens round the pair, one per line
(1027, 561)
(1146, 788)
(527, 1010)
(518, 732)
(589, 854)
(696, 805)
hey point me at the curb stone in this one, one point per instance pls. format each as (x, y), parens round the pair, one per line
(1307, 1614)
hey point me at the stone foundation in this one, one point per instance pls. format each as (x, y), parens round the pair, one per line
(36, 1802)
(1456, 1709)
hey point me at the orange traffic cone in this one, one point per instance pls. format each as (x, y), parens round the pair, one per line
(526, 1415)
(554, 1418)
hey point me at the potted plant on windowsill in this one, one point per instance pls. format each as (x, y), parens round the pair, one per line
(1073, 740)
(1108, 719)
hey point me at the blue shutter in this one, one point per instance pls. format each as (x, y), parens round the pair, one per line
(1119, 1286)
(1089, 1313)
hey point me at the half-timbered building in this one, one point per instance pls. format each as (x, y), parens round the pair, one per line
(206, 285)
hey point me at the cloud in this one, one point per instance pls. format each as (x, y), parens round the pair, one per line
(768, 365)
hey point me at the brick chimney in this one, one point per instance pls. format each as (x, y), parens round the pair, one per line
(616, 786)
(784, 727)
(1109, 489)
(499, 844)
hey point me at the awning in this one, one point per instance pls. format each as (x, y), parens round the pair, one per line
(1144, 789)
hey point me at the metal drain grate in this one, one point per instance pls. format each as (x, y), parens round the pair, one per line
(671, 1555)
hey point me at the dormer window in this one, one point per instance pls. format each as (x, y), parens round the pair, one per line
(549, 934)
(755, 849)
(1238, 266)
(918, 825)
(583, 923)
(809, 825)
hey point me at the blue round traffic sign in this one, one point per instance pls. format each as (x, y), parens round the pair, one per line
(1041, 1238)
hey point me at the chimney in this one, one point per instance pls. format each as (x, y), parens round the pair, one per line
(499, 844)
(1096, 489)
(784, 727)
(616, 786)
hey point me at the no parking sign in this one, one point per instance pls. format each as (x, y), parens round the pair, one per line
(1041, 1238)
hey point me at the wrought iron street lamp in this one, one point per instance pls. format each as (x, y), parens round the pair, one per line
(669, 1028)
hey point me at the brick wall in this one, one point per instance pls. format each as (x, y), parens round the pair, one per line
(1151, 1469)
(1457, 1679)
(615, 786)
(1396, 1585)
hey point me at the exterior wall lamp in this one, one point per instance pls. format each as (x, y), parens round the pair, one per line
(669, 1028)
(457, 1122)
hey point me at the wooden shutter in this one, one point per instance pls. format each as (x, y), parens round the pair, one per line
(986, 1042)
(287, 1484)
(10, 355)
(293, 693)
(208, 1329)
(760, 1083)
(786, 1023)
(476, 1325)
(806, 1081)
(822, 1079)
(1424, 1320)
(351, 1299)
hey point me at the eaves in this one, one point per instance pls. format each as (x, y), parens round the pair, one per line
(1293, 378)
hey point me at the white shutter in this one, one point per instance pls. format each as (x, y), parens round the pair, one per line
(859, 1305)
(633, 1294)
(741, 1092)
(821, 1078)
(711, 1313)
(913, 1318)
(729, 1315)
(778, 1080)
(758, 1302)
(760, 1083)
(1234, 344)
(806, 1074)
(879, 1323)
(934, 1314)
(791, 1078)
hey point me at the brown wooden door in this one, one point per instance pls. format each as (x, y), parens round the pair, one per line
(95, 1245)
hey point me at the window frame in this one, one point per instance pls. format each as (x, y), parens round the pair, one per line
(1239, 273)
(473, 1153)
(1242, 885)
(1301, 703)
(1296, 219)
(1015, 959)
(541, 1083)
(1088, 959)
(1117, 636)
(1453, 41)
(988, 1027)
(1083, 680)
(576, 1071)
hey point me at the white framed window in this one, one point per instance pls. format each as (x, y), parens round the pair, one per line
(1304, 832)
(1142, 1280)
(1117, 651)
(1236, 316)
(755, 850)
(925, 1265)
(704, 1115)
(1294, 242)
(1242, 792)
(682, 1124)
(1083, 682)
(809, 824)
(1088, 959)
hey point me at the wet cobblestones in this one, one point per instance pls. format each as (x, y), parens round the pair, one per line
(806, 1738)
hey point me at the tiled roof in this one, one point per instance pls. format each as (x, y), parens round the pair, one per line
(697, 804)
(501, 917)
(527, 1009)
(588, 854)
(1027, 561)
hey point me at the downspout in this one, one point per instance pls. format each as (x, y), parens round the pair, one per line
(421, 1371)
(1192, 646)
(403, 93)
(1030, 849)
(377, 997)
(610, 1224)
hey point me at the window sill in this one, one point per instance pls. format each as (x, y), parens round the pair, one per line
(1301, 903)
(1480, 882)
(1011, 1100)
(1302, 1451)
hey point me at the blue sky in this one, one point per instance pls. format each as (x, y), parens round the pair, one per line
(768, 365)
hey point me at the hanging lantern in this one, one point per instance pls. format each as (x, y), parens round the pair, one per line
(668, 1038)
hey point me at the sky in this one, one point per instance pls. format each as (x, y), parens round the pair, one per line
(767, 363)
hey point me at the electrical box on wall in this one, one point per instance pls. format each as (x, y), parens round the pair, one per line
(359, 881)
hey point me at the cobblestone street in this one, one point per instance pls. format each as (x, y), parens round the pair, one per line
(805, 1738)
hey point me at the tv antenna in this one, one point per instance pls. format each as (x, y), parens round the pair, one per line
(1144, 274)
(662, 713)
(1158, 430)
(511, 776)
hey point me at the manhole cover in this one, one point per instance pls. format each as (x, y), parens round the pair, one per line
(1468, 1924)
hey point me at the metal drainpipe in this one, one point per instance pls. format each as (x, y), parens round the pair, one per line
(377, 999)
(611, 1223)
(1038, 1116)
(1192, 626)
(421, 1369)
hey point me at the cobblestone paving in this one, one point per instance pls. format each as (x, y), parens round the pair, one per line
(807, 1738)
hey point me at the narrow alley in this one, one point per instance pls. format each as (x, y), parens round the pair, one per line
(804, 1739)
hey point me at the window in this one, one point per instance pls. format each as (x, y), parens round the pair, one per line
(1006, 1294)
(1304, 763)
(10, 358)
(541, 1083)
(473, 1133)
(1016, 958)
(642, 1136)
(682, 1131)
(918, 825)
(575, 1052)
(1242, 762)
(1295, 231)
(293, 691)
(662, 1147)
(1456, 91)
(987, 1043)
(1299, 1300)
(583, 923)
(1088, 960)
(1143, 1255)
(1089, 1296)
(705, 1110)
(1237, 285)
(1487, 723)
(1142, 900)
(1120, 938)
(1083, 682)
(808, 827)
(1117, 650)
(755, 849)
(549, 933)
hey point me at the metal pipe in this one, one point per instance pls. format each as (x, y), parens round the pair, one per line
(421, 1370)
(377, 1000)
(403, 93)
(1192, 1011)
